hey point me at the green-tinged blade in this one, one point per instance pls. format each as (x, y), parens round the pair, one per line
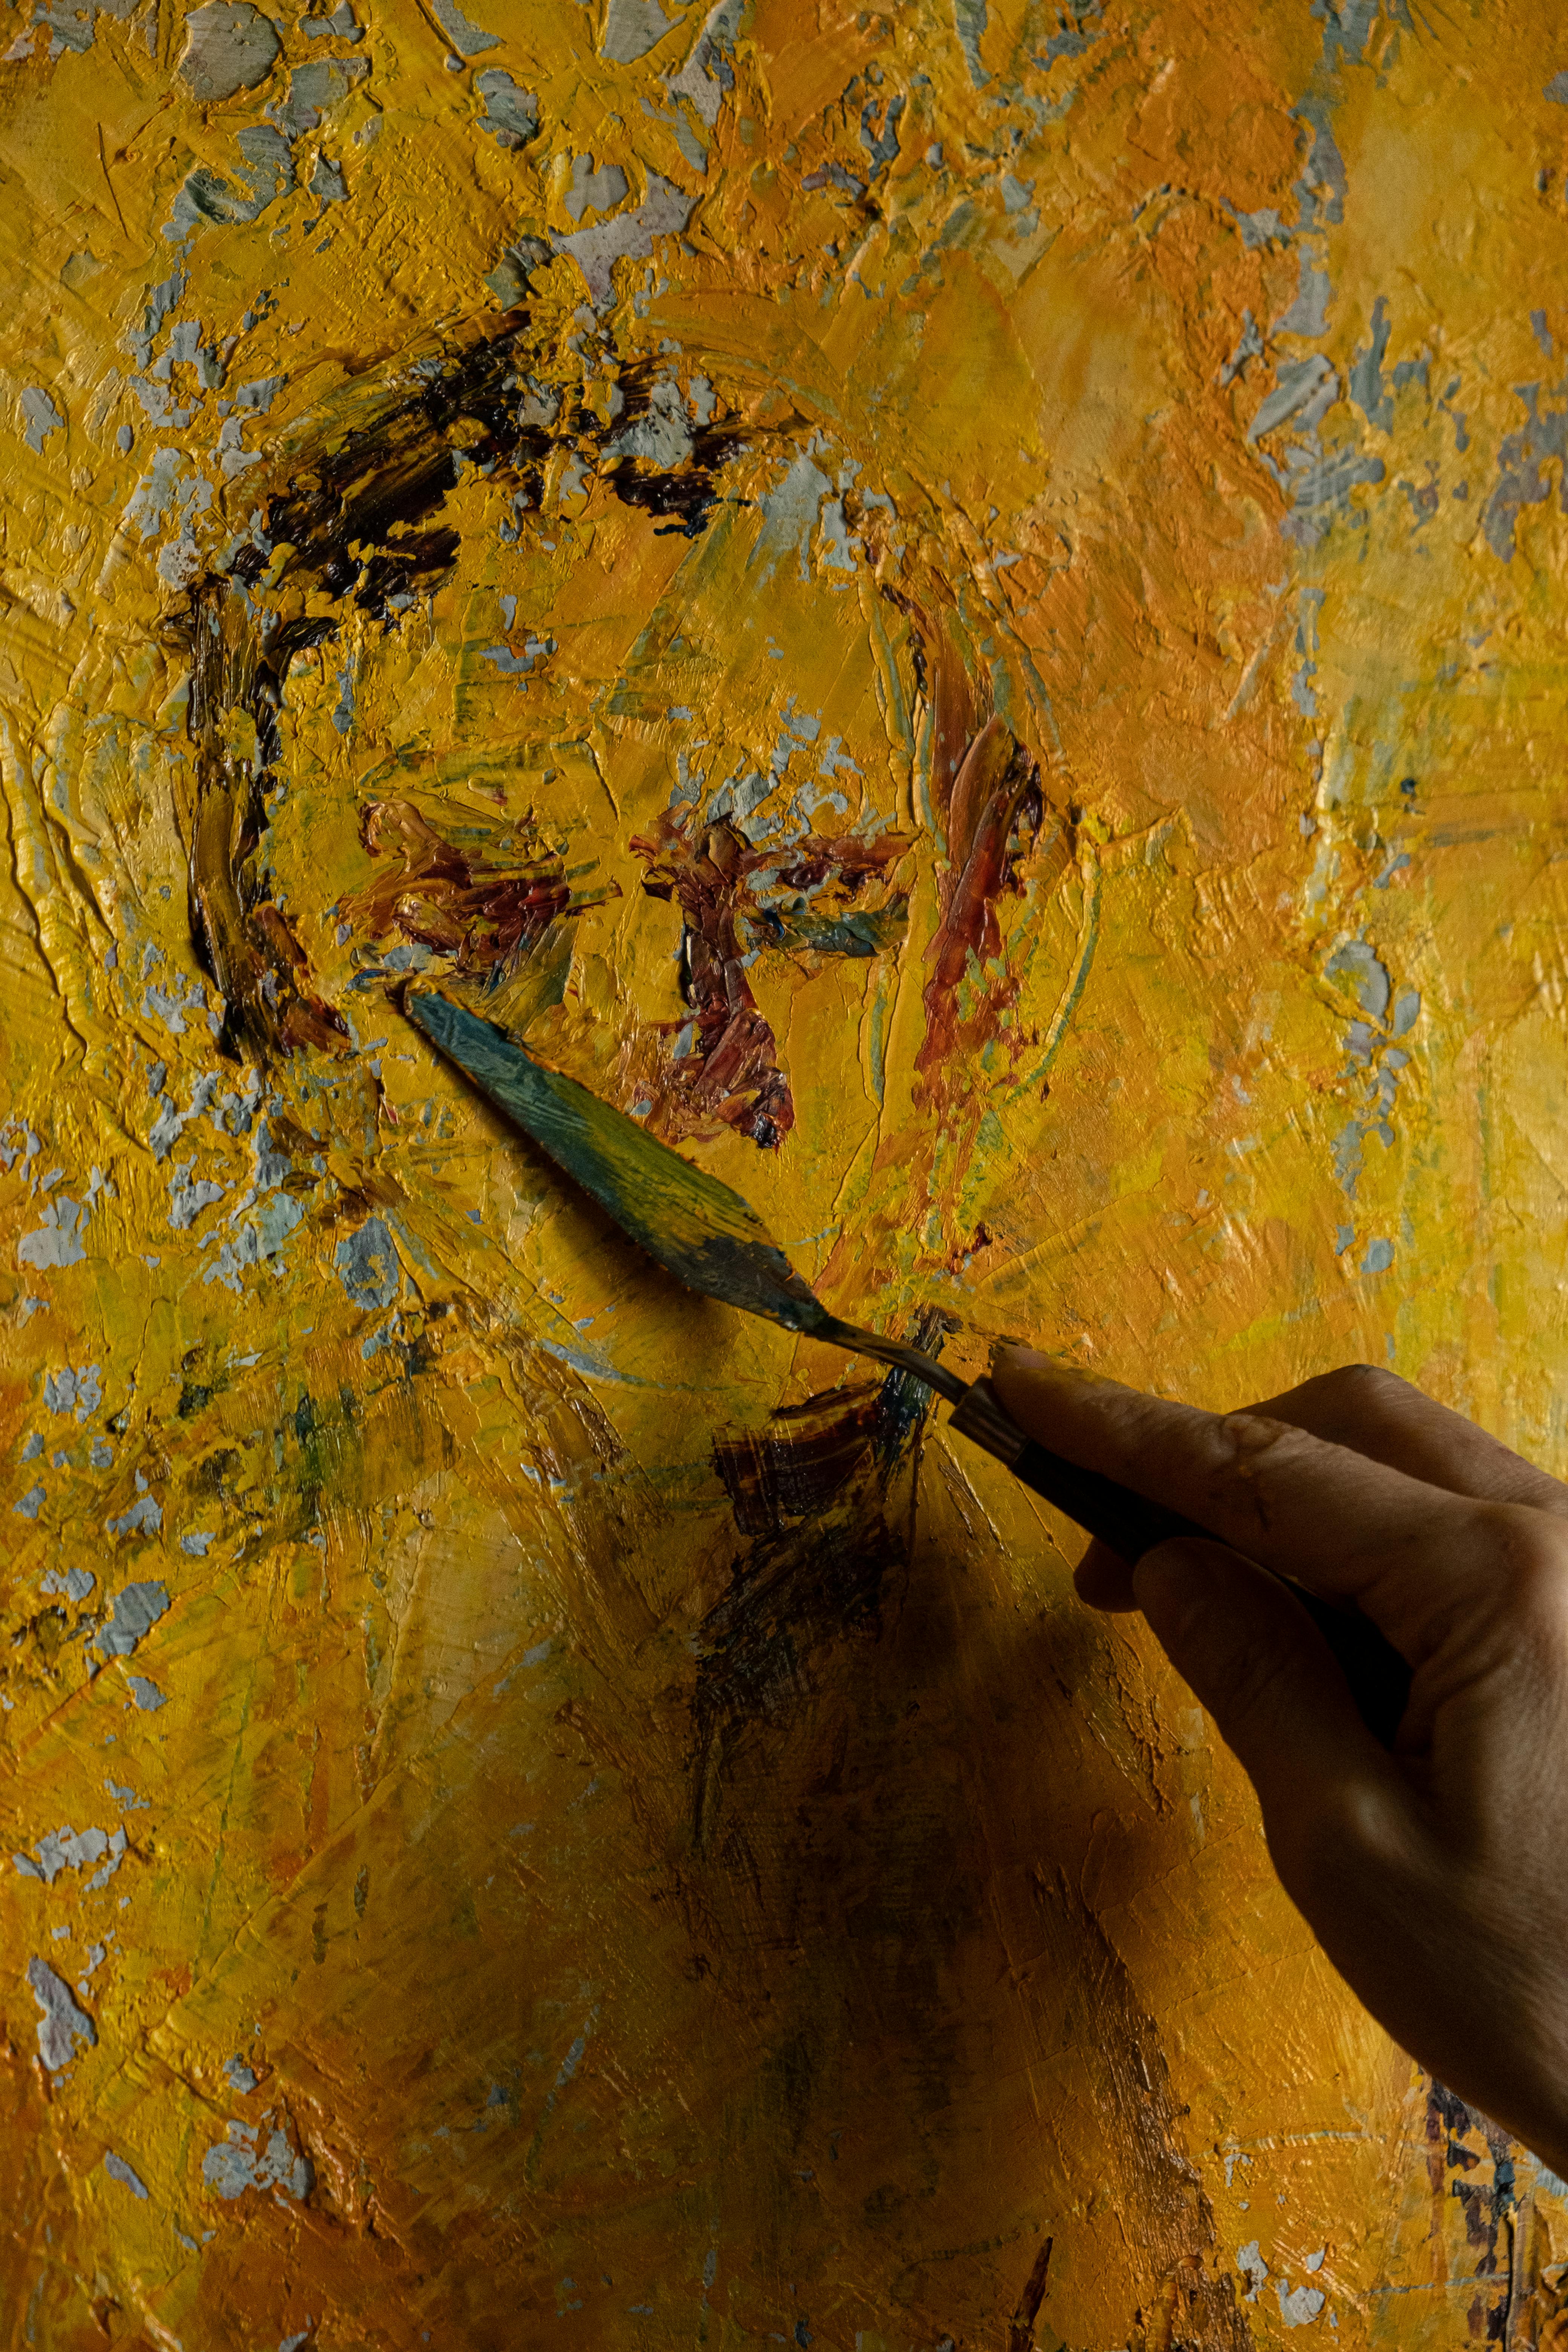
(694, 1226)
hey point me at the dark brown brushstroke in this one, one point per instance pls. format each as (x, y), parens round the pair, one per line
(688, 491)
(813, 1490)
(440, 895)
(1490, 2208)
(358, 486)
(242, 938)
(355, 497)
(733, 1073)
(993, 812)
(1021, 2329)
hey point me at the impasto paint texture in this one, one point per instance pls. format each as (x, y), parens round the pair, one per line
(961, 607)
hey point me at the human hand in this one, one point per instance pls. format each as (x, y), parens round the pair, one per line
(1436, 1877)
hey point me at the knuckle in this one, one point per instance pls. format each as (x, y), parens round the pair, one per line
(1361, 1390)
(1528, 1551)
(1349, 1824)
(1245, 1451)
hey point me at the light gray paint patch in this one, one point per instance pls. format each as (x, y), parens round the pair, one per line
(1366, 372)
(1263, 227)
(970, 18)
(230, 46)
(69, 1849)
(661, 434)
(366, 1264)
(1521, 480)
(63, 2024)
(632, 28)
(260, 394)
(790, 514)
(205, 200)
(328, 184)
(118, 2170)
(1318, 486)
(139, 1607)
(147, 1696)
(144, 1517)
(629, 236)
(468, 39)
(1249, 346)
(342, 22)
(188, 1199)
(56, 1242)
(594, 191)
(511, 115)
(30, 1505)
(257, 1241)
(237, 2164)
(314, 89)
(79, 1391)
(42, 417)
(708, 73)
(1556, 89)
(1359, 964)
(75, 1584)
(517, 665)
(236, 2072)
(1306, 390)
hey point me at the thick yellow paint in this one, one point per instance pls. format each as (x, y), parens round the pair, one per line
(574, 2023)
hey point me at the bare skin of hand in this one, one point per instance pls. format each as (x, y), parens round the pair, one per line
(1436, 1877)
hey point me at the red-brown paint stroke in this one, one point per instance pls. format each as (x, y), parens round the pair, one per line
(1021, 2330)
(959, 707)
(488, 917)
(993, 812)
(721, 882)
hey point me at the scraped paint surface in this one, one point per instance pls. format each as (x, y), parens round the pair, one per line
(959, 608)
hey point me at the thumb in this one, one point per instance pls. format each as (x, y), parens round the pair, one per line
(1254, 1658)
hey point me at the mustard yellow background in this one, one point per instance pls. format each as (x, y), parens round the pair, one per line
(451, 1979)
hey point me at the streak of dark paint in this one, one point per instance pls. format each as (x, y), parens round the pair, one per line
(812, 1491)
(993, 812)
(486, 915)
(724, 886)
(688, 491)
(242, 938)
(1021, 2329)
(359, 484)
(1491, 2210)
(1137, 2113)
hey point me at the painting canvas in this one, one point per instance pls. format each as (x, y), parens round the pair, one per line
(958, 606)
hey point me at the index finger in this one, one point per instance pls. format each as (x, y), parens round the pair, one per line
(1350, 1527)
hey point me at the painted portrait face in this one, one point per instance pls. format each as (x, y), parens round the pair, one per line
(907, 598)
